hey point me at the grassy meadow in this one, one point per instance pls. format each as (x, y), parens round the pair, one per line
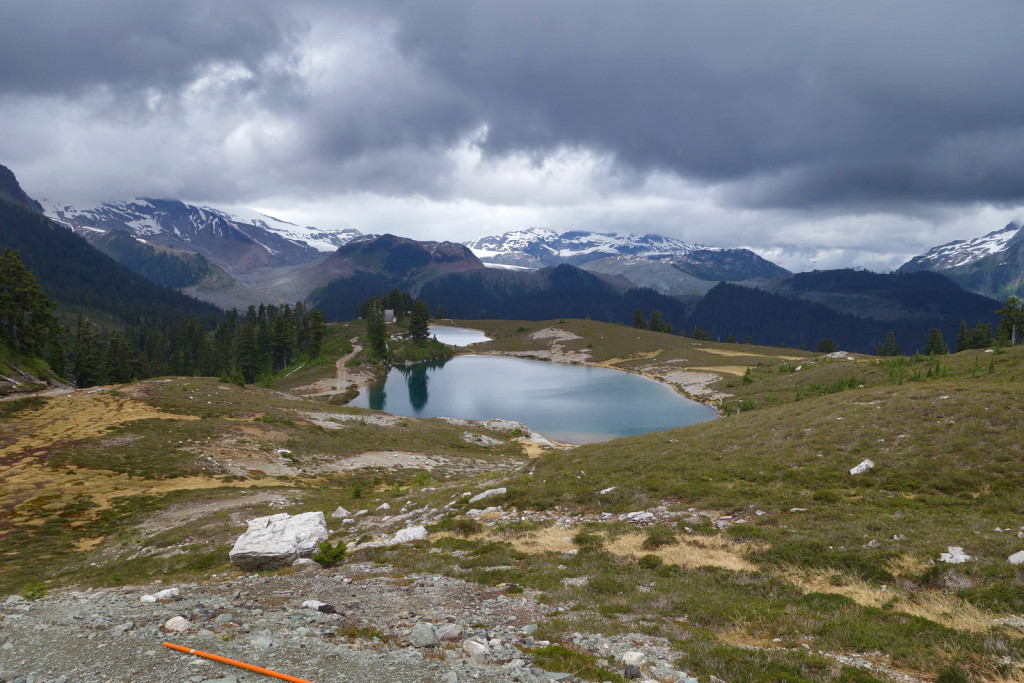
(776, 563)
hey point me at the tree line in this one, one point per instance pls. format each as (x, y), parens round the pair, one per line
(241, 347)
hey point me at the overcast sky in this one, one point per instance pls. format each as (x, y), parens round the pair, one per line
(819, 134)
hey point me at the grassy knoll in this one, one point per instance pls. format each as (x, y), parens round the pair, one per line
(81, 473)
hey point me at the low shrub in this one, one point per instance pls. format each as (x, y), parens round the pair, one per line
(328, 555)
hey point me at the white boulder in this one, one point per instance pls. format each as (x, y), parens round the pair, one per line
(1016, 558)
(863, 467)
(176, 624)
(489, 493)
(637, 659)
(278, 540)
(341, 513)
(956, 555)
(166, 595)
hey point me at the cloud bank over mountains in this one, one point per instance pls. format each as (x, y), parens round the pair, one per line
(814, 133)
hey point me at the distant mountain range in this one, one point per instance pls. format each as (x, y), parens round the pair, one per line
(992, 265)
(235, 259)
(647, 260)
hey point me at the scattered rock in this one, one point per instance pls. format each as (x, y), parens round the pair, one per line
(341, 513)
(423, 635)
(278, 540)
(863, 467)
(449, 632)
(956, 555)
(1016, 558)
(631, 672)
(637, 659)
(176, 625)
(607, 490)
(489, 493)
(167, 595)
(474, 647)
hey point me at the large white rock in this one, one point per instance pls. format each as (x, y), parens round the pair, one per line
(1016, 558)
(489, 493)
(278, 540)
(863, 467)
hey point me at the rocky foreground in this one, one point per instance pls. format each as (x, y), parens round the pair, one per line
(360, 623)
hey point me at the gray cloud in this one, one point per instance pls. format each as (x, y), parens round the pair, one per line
(54, 46)
(774, 125)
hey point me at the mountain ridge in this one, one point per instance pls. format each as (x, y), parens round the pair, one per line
(991, 265)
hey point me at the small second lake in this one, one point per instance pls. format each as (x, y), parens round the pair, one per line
(457, 336)
(567, 403)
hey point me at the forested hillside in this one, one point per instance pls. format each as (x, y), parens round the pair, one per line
(774, 319)
(563, 291)
(82, 279)
(163, 266)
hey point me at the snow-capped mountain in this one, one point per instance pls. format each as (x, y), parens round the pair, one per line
(235, 242)
(539, 247)
(624, 255)
(992, 265)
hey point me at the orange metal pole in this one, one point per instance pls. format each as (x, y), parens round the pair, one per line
(235, 662)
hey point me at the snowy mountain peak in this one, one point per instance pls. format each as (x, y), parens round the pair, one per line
(541, 247)
(177, 220)
(961, 253)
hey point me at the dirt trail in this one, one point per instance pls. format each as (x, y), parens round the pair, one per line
(343, 378)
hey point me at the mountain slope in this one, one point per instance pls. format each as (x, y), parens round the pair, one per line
(82, 279)
(236, 244)
(992, 265)
(856, 308)
(628, 255)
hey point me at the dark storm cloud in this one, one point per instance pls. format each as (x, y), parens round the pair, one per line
(62, 46)
(842, 101)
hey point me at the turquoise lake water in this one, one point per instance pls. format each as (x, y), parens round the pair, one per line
(567, 403)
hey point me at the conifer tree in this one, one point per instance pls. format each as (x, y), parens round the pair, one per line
(933, 344)
(638, 320)
(419, 320)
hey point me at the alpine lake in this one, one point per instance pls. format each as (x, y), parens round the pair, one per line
(572, 404)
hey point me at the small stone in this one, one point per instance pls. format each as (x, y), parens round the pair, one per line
(341, 513)
(863, 467)
(449, 632)
(473, 647)
(1016, 558)
(637, 659)
(423, 635)
(176, 624)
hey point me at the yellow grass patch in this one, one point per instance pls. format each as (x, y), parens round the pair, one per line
(729, 369)
(552, 539)
(690, 551)
(79, 416)
(736, 354)
(42, 491)
(640, 355)
(88, 543)
(938, 606)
